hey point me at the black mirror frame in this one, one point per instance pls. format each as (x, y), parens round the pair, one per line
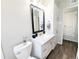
(35, 32)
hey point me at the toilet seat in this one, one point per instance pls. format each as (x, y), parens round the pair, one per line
(31, 57)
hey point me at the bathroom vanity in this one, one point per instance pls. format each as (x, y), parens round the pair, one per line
(42, 45)
(43, 40)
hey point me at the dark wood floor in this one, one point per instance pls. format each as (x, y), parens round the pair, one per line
(66, 51)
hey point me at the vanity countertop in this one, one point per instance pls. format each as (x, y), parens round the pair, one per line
(43, 38)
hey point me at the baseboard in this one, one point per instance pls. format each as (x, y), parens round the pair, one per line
(70, 38)
(60, 43)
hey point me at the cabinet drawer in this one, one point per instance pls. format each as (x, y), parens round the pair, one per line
(46, 46)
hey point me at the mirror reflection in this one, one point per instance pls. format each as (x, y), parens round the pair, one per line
(36, 20)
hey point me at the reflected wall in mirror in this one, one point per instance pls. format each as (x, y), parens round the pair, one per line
(38, 19)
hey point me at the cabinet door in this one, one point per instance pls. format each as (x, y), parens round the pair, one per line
(69, 23)
(53, 43)
(46, 48)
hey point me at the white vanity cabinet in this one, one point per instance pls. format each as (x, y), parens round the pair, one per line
(43, 45)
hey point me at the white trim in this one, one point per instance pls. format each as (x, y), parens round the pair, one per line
(2, 55)
(70, 38)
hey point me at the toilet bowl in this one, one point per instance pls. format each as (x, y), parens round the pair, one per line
(23, 50)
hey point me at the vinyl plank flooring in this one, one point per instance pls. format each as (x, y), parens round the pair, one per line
(67, 50)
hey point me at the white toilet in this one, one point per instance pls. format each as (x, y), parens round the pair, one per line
(23, 51)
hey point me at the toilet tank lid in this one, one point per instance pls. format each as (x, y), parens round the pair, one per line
(21, 46)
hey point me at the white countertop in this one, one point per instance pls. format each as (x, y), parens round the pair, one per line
(43, 38)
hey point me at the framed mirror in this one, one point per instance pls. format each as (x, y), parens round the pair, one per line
(38, 19)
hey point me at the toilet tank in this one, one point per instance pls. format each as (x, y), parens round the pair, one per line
(23, 50)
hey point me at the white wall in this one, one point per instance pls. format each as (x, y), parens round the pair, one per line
(15, 23)
(58, 20)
